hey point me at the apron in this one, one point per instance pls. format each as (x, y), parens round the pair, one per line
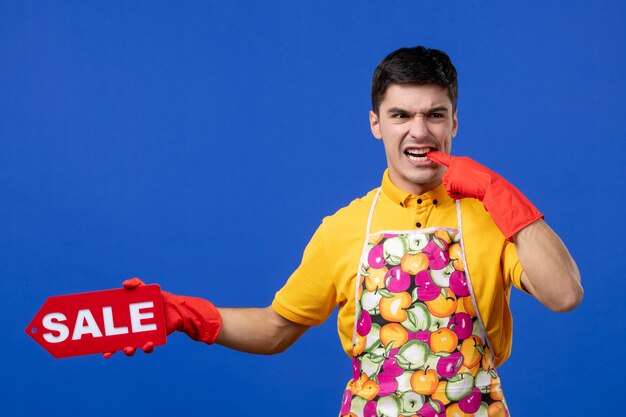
(419, 344)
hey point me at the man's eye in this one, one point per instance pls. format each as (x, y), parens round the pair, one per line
(437, 115)
(400, 116)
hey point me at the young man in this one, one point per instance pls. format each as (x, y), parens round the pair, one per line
(421, 267)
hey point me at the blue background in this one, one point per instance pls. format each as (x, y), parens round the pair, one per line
(198, 145)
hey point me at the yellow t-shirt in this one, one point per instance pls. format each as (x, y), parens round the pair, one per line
(326, 277)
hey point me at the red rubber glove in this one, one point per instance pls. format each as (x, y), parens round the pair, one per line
(196, 317)
(510, 210)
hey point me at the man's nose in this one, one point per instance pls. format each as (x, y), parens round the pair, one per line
(418, 128)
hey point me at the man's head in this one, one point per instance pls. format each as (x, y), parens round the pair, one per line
(414, 92)
(416, 66)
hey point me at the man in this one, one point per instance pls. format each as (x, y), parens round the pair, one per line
(421, 268)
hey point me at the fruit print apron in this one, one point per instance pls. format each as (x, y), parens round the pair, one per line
(419, 345)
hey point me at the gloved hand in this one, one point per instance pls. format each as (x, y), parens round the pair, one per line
(510, 210)
(196, 317)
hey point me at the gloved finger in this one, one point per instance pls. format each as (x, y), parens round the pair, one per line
(148, 347)
(107, 355)
(439, 157)
(131, 284)
(129, 351)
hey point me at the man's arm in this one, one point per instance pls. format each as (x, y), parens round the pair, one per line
(252, 330)
(550, 274)
(257, 330)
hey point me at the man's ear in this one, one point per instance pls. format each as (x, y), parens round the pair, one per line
(375, 125)
(455, 124)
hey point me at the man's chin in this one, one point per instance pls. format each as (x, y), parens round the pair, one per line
(434, 178)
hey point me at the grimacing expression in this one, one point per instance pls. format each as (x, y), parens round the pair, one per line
(411, 121)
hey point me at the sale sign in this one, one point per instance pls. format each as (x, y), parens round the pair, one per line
(100, 321)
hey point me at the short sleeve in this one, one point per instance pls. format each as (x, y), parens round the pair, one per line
(308, 297)
(511, 267)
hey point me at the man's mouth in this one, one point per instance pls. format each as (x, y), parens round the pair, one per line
(418, 154)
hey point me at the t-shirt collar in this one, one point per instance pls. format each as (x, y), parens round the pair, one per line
(437, 195)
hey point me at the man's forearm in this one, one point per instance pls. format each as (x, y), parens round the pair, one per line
(550, 273)
(257, 330)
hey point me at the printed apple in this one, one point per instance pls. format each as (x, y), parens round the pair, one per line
(479, 330)
(426, 288)
(388, 406)
(459, 386)
(394, 249)
(462, 325)
(370, 301)
(433, 408)
(404, 381)
(418, 318)
(483, 381)
(412, 402)
(390, 365)
(456, 252)
(443, 235)
(441, 277)
(443, 340)
(437, 323)
(346, 402)
(458, 284)
(396, 280)
(370, 364)
(369, 410)
(412, 263)
(365, 265)
(417, 242)
(395, 307)
(497, 409)
(372, 340)
(376, 257)
(375, 279)
(387, 383)
(412, 355)
(471, 349)
(393, 335)
(471, 402)
(356, 368)
(444, 305)
(358, 346)
(482, 410)
(448, 366)
(424, 381)
(369, 390)
(375, 239)
(364, 324)
(495, 390)
(437, 257)
(364, 387)
(358, 404)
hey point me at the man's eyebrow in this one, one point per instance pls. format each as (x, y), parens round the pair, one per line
(438, 109)
(397, 110)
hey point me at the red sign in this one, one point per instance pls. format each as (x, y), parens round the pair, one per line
(100, 321)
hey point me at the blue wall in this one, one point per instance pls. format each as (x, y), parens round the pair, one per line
(198, 145)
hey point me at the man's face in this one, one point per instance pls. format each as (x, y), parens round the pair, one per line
(412, 120)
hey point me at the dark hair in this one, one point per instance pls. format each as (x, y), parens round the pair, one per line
(418, 66)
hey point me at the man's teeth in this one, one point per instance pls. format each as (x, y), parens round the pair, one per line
(417, 155)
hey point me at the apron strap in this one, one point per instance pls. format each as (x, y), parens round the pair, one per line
(361, 260)
(469, 278)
